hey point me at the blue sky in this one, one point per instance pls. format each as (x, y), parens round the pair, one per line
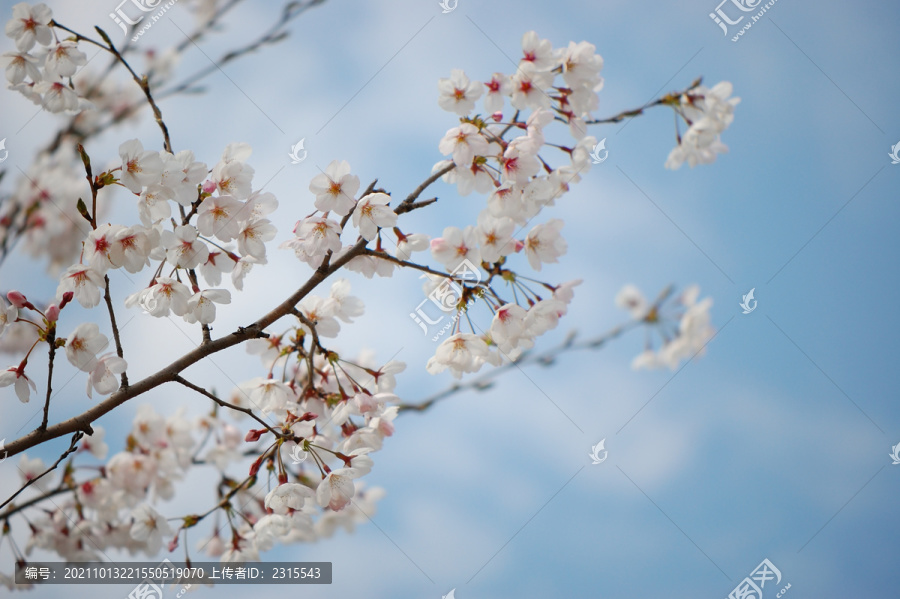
(773, 445)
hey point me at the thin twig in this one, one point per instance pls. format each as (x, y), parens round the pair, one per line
(225, 404)
(115, 327)
(73, 445)
(51, 340)
(486, 380)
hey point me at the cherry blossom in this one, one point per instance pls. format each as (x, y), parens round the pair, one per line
(131, 247)
(233, 178)
(165, 295)
(495, 236)
(497, 89)
(84, 281)
(337, 489)
(95, 444)
(83, 345)
(31, 468)
(20, 65)
(201, 307)
(29, 24)
(64, 59)
(217, 217)
(464, 142)
(414, 242)
(98, 246)
(528, 85)
(630, 298)
(56, 96)
(315, 237)
(321, 312)
(461, 353)
(457, 93)
(15, 375)
(288, 497)
(544, 244)
(103, 376)
(372, 212)
(153, 204)
(8, 315)
(345, 306)
(335, 189)
(150, 527)
(699, 145)
(182, 174)
(139, 168)
(455, 246)
(537, 52)
(183, 248)
(252, 238)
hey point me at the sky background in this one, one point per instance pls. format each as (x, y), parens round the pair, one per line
(773, 445)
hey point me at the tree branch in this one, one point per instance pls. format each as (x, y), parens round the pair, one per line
(546, 358)
(225, 404)
(73, 445)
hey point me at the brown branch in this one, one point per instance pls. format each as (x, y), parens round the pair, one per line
(407, 264)
(73, 445)
(404, 205)
(15, 509)
(51, 339)
(225, 404)
(83, 421)
(546, 358)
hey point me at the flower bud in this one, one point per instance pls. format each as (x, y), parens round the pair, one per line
(52, 313)
(254, 435)
(209, 187)
(18, 300)
(66, 298)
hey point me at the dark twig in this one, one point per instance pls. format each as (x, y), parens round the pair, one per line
(73, 445)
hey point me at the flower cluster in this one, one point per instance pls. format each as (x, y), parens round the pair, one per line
(684, 325)
(318, 416)
(41, 77)
(707, 112)
(555, 85)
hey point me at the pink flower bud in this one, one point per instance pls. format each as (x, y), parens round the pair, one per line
(209, 187)
(254, 435)
(52, 313)
(497, 116)
(519, 245)
(18, 300)
(66, 298)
